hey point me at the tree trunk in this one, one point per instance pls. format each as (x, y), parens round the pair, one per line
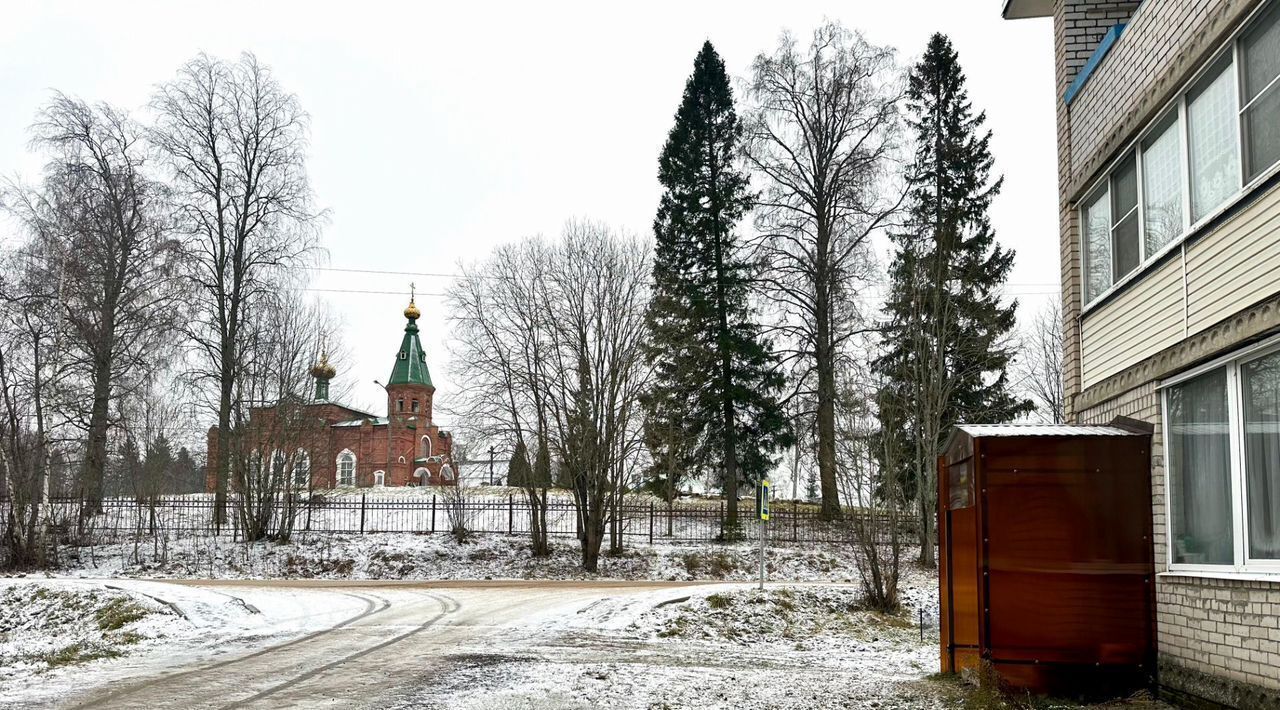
(222, 472)
(826, 367)
(592, 536)
(732, 526)
(91, 483)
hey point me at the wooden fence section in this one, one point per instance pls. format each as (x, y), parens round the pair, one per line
(636, 521)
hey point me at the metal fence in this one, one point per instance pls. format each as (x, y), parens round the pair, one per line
(637, 521)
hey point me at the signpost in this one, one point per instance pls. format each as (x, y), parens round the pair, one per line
(762, 513)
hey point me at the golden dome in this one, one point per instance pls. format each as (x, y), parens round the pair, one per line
(323, 370)
(411, 311)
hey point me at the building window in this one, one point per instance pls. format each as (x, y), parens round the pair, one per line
(301, 469)
(1260, 97)
(279, 465)
(446, 473)
(415, 406)
(379, 479)
(346, 468)
(1260, 383)
(1212, 142)
(424, 448)
(1097, 235)
(1226, 124)
(1223, 456)
(1162, 185)
(399, 405)
(1200, 471)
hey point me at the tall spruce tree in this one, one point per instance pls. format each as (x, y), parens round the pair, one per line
(716, 378)
(946, 338)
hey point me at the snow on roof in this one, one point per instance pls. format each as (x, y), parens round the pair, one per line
(976, 430)
(376, 421)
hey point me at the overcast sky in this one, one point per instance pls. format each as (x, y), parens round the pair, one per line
(439, 131)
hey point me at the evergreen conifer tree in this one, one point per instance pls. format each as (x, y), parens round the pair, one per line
(946, 337)
(715, 375)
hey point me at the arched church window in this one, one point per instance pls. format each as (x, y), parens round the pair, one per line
(424, 449)
(301, 469)
(379, 479)
(279, 464)
(415, 406)
(446, 473)
(346, 468)
(422, 475)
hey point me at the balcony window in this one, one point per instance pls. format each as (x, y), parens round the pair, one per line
(1126, 254)
(1097, 240)
(1260, 97)
(1212, 144)
(1220, 138)
(1162, 185)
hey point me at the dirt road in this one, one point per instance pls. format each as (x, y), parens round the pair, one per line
(386, 648)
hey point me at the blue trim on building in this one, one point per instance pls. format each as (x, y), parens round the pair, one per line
(1095, 59)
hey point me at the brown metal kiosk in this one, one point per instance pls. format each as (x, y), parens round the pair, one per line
(1045, 556)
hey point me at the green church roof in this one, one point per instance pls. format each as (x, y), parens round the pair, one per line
(411, 361)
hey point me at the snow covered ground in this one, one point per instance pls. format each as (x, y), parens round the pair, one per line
(57, 634)
(488, 556)
(717, 646)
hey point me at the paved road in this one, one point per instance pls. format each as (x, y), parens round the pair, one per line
(371, 658)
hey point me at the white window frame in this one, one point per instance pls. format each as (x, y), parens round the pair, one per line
(425, 446)
(379, 479)
(1179, 105)
(337, 478)
(1242, 564)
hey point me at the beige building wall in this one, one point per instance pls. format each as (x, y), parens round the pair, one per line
(1218, 635)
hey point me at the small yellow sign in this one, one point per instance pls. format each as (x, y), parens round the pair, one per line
(762, 500)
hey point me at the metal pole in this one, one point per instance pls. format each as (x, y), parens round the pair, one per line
(762, 533)
(491, 465)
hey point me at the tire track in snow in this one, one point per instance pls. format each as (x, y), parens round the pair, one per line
(448, 605)
(374, 605)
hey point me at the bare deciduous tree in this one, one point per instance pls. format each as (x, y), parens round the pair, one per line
(235, 142)
(1040, 365)
(822, 133)
(549, 339)
(503, 347)
(274, 428)
(102, 226)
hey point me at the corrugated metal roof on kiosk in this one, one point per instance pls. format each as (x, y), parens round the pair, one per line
(1042, 430)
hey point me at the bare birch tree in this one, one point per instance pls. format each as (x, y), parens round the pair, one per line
(235, 142)
(822, 130)
(103, 225)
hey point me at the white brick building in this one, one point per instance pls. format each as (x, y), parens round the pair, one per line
(1168, 172)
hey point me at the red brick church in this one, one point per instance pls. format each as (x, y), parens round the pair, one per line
(350, 448)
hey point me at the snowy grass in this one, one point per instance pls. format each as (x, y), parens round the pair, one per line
(49, 625)
(489, 556)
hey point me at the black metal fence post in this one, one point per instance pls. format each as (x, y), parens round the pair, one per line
(362, 512)
(433, 512)
(651, 523)
(511, 514)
